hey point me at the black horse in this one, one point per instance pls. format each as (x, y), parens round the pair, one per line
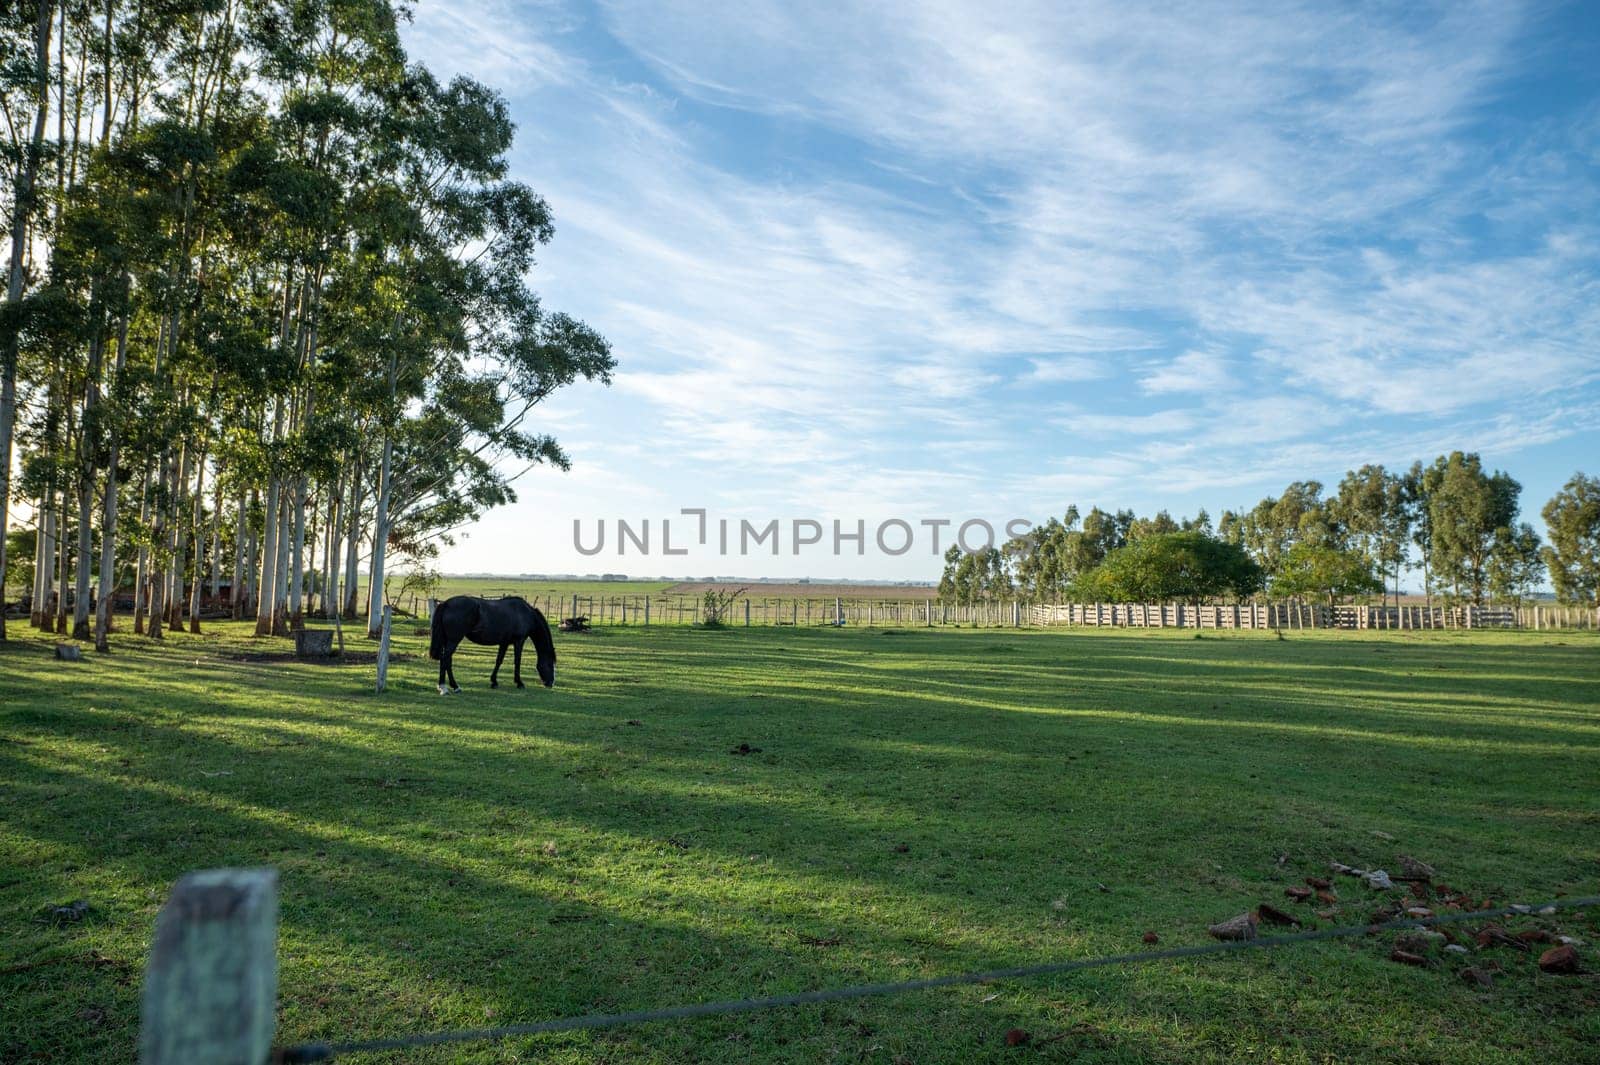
(506, 622)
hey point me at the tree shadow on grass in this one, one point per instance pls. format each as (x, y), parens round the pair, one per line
(1004, 813)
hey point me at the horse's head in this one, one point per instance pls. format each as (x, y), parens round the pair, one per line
(547, 671)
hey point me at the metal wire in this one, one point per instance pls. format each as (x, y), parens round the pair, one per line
(313, 1052)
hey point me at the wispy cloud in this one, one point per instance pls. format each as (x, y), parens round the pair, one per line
(1239, 242)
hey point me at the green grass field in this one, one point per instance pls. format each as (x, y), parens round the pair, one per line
(920, 803)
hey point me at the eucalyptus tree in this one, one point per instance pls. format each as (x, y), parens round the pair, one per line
(1572, 519)
(1371, 508)
(442, 291)
(1471, 511)
(25, 102)
(1270, 529)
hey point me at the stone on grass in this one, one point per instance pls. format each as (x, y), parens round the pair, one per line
(1415, 869)
(1379, 880)
(69, 652)
(313, 643)
(1563, 960)
(1240, 927)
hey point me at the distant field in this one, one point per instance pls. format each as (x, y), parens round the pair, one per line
(538, 590)
(811, 590)
(593, 595)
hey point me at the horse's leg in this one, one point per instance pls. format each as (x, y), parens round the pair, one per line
(450, 665)
(494, 675)
(444, 657)
(517, 663)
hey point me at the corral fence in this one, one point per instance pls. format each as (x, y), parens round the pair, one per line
(1296, 615)
(878, 612)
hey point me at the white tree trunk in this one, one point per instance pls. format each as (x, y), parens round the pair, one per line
(22, 201)
(380, 540)
(266, 597)
(297, 578)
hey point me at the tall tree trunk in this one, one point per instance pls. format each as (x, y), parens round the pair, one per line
(252, 551)
(197, 586)
(215, 589)
(380, 538)
(44, 558)
(160, 545)
(61, 563)
(105, 608)
(86, 450)
(141, 570)
(297, 557)
(179, 567)
(236, 586)
(21, 209)
(352, 558)
(280, 610)
(267, 588)
(380, 531)
(330, 577)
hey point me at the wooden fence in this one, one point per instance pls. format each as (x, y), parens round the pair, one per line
(1293, 615)
(872, 612)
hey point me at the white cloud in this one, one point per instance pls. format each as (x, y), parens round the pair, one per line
(1193, 371)
(934, 223)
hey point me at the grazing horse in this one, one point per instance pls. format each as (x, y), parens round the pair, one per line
(505, 622)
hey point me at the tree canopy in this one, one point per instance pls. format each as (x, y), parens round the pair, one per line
(268, 315)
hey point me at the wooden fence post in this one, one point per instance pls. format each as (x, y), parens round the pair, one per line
(211, 984)
(383, 649)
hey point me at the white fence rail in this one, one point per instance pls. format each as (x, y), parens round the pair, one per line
(874, 612)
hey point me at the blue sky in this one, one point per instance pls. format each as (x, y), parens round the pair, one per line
(952, 260)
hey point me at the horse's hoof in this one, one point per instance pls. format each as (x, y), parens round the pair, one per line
(494, 684)
(521, 685)
(443, 690)
(455, 691)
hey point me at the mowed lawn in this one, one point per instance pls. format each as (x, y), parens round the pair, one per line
(912, 804)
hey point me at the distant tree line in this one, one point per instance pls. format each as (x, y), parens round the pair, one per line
(1452, 520)
(265, 322)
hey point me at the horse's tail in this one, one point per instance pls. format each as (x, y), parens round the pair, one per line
(436, 633)
(542, 643)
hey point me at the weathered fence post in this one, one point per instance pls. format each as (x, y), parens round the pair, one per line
(211, 985)
(383, 648)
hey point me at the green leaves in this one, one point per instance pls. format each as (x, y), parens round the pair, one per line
(1171, 566)
(1573, 519)
(1315, 571)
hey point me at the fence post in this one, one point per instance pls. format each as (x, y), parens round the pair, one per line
(747, 613)
(383, 649)
(211, 984)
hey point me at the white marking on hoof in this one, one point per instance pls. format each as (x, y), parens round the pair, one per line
(443, 690)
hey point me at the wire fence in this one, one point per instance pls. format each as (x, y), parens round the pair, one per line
(322, 1051)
